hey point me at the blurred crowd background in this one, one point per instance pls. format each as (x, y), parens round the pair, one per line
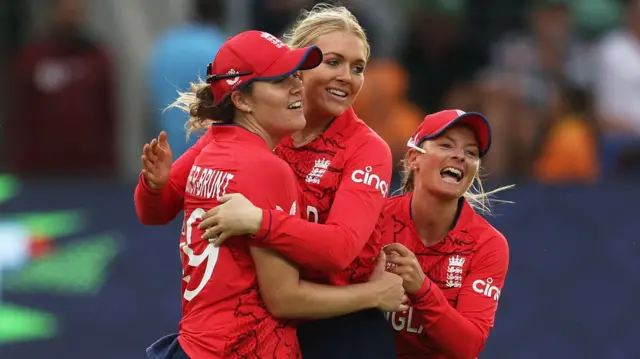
(83, 85)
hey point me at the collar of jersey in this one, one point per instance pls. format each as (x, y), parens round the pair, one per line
(463, 214)
(235, 133)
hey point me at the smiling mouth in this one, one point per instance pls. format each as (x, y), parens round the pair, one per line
(295, 106)
(337, 93)
(452, 175)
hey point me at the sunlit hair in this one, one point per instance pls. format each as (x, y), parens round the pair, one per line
(475, 195)
(323, 19)
(199, 103)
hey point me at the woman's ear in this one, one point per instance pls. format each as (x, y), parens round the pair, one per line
(412, 159)
(242, 101)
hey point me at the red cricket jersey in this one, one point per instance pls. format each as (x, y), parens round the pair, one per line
(223, 315)
(344, 175)
(452, 314)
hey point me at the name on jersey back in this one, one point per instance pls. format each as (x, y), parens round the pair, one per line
(207, 182)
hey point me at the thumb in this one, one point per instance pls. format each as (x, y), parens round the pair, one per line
(163, 139)
(381, 262)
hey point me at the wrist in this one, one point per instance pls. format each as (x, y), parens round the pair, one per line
(148, 186)
(256, 222)
(372, 294)
(422, 292)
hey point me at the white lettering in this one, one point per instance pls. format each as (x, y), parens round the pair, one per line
(311, 210)
(486, 288)
(208, 183)
(370, 179)
(292, 209)
(404, 321)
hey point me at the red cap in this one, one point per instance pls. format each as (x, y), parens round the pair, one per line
(437, 123)
(256, 56)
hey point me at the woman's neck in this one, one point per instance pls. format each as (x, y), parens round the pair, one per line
(251, 126)
(432, 217)
(315, 126)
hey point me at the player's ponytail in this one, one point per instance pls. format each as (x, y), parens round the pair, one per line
(200, 104)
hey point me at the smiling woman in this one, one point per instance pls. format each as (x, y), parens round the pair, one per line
(452, 261)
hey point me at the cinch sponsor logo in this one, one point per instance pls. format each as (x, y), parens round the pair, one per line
(370, 179)
(486, 288)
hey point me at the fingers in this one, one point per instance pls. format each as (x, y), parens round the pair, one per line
(209, 222)
(403, 308)
(399, 260)
(153, 151)
(227, 197)
(210, 213)
(212, 233)
(146, 162)
(399, 248)
(221, 239)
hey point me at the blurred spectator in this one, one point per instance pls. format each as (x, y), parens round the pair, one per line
(521, 83)
(569, 150)
(178, 58)
(617, 90)
(62, 121)
(383, 105)
(442, 65)
(275, 16)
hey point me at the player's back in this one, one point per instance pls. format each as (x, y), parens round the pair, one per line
(223, 313)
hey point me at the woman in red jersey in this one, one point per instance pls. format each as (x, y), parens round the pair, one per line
(230, 293)
(344, 170)
(453, 262)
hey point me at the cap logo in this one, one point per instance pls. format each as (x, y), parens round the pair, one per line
(272, 39)
(460, 112)
(232, 81)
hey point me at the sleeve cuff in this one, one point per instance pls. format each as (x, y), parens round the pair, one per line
(265, 226)
(422, 292)
(147, 188)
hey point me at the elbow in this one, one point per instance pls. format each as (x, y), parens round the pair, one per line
(474, 346)
(148, 220)
(281, 306)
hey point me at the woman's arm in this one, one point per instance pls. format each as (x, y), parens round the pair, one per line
(328, 247)
(461, 332)
(286, 296)
(161, 206)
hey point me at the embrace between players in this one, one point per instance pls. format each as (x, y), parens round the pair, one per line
(291, 246)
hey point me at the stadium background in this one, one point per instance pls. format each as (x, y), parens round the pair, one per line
(80, 277)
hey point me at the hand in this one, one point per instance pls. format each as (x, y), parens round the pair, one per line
(403, 262)
(234, 216)
(390, 295)
(157, 158)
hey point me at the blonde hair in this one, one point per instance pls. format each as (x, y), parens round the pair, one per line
(478, 199)
(323, 19)
(200, 104)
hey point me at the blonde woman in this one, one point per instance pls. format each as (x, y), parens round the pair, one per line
(452, 261)
(344, 170)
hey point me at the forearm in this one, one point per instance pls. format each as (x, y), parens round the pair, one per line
(156, 207)
(455, 335)
(323, 247)
(317, 301)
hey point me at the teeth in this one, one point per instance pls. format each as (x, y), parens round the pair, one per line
(337, 92)
(295, 105)
(456, 172)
